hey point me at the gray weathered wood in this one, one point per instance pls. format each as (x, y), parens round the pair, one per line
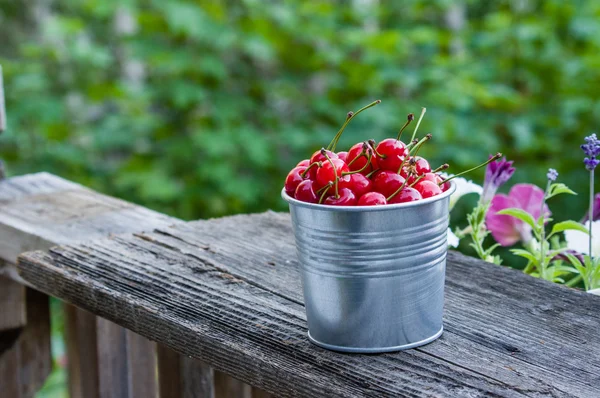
(227, 291)
(13, 312)
(25, 359)
(225, 387)
(41, 210)
(183, 377)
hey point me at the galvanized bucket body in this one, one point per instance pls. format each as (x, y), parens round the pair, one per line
(373, 276)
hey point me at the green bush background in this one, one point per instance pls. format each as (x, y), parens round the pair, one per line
(199, 108)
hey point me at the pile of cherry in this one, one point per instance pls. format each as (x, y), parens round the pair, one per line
(369, 174)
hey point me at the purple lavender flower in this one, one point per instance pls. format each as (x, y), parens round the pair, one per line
(496, 174)
(591, 149)
(552, 175)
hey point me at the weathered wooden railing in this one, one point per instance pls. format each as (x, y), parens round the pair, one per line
(227, 292)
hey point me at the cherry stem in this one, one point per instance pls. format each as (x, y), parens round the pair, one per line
(442, 167)
(399, 189)
(490, 160)
(409, 118)
(371, 173)
(412, 161)
(419, 144)
(310, 166)
(412, 144)
(363, 152)
(349, 117)
(325, 189)
(417, 180)
(369, 155)
(423, 110)
(324, 153)
(372, 144)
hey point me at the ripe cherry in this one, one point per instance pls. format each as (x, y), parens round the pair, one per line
(357, 183)
(431, 177)
(345, 198)
(343, 155)
(422, 166)
(372, 199)
(326, 173)
(304, 163)
(387, 182)
(390, 154)
(305, 192)
(293, 179)
(318, 157)
(427, 189)
(407, 194)
(357, 151)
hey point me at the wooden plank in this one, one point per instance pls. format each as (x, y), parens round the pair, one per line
(13, 312)
(226, 291)
(82, 352)
(25, 358)
(183, 377)
(40, 210)
(226, 387)
(258, 393)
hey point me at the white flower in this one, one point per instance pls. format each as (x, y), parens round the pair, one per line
(594, 291)
(463, 187)
(579, 241)
(452, 239)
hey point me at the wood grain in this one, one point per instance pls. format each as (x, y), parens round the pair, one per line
(227, 291)
(183, 377)
(25, 358)
(13, 313)
(40, 210)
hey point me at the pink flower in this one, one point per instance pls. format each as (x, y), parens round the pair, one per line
(508, 230)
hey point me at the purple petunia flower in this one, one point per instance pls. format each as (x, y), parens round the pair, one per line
(508, 230)
(552, 175)
(496, 174)
(595, 210)
(591, 149)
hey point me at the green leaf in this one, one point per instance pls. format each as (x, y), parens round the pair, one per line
(559, 188)
(566, 226)
(525, 254)
(520, 214)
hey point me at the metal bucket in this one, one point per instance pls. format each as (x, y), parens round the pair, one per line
(373, 276)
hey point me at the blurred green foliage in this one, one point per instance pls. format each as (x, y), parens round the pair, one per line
(199, 108)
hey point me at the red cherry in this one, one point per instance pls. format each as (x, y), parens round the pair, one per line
(410, 179)
(422, 166)
(427, 189)
(325, 173)
(345, 198)
(357, 183)
(359, 163)
(407, 194)
(372, 199)
(306, 192)
(393, 153)
(318, 157)
(293, 179)
(387, 182)
(343, 155)
(304, 163)
(431, 177)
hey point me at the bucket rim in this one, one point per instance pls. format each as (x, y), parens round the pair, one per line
(394, 206)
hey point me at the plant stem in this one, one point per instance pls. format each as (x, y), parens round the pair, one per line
(542, 236)
(490, 160)
(591, 210)
(423, 110)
